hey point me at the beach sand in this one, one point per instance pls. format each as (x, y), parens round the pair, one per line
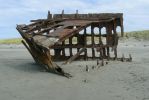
(22, 79)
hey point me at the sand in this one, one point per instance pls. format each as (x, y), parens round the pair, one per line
(22, 79)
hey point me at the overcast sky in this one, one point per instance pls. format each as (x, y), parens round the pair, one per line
(12, 12)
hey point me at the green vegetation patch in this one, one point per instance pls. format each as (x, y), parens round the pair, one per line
(11, 41)
(135, 34)
(138, 34)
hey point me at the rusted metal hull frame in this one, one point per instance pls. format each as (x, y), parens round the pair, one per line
(42, 56)
(45, 34)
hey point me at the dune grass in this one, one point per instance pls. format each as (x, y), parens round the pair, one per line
(138, 34)
(11, 41)
(135, 34)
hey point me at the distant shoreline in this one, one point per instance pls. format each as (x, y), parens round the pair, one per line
(143, 35)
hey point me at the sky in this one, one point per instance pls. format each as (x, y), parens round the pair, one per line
(13, 12)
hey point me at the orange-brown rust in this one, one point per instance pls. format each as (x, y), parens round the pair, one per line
(58, 33)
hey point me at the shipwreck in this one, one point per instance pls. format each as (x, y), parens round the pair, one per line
(63, 33)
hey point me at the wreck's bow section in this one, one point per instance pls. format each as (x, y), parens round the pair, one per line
(63, 33)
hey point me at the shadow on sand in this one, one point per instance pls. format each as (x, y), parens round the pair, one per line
(28, 67)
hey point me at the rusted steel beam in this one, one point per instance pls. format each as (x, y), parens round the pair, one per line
(63, 49)
(122, 27)
(74, 56)
(49, 16)
(70, 49)
(23, 42)
(85, 44)
(92, 41)
(89, 16)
